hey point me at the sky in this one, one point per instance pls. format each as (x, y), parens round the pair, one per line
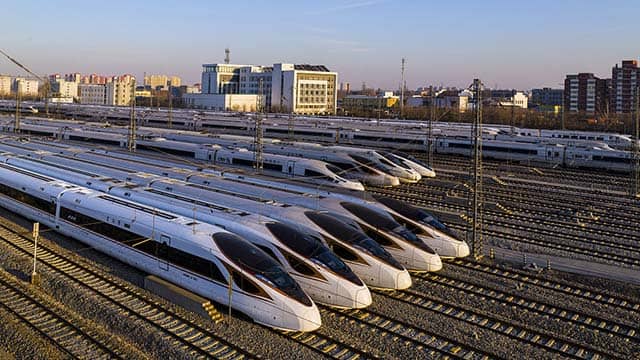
(508, 44)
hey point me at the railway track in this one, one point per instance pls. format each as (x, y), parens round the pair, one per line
(74, 340)
(529, 304)
(186, 334)
(564, 287)
(541, 218)
(569, 248)
(326, 346)
(437, 344)
(545, 229)
(540, 338)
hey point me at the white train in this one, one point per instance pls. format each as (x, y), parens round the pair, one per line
(322, 275)
(296, 168)
(348, 158)
(200, 257)
(554, 155)
(443, 243)
(374, 265)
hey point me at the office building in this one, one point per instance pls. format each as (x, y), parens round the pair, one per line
(93, 94)
(381, 102)
(625, 80)
(547, 97)
(302, 89)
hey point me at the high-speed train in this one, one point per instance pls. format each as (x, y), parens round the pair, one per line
(371, 262)
(320, 273)
(444, 243)
(296, 168)
(363, 157)
(591, 157)
(202, 258)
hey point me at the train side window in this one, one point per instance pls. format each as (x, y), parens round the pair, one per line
(163, 251)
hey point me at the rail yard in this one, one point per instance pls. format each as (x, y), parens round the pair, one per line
(90, 305)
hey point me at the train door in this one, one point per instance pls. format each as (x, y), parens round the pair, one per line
(291, 167)
(163, 252)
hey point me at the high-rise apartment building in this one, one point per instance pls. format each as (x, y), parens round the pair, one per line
(625, 80)
(65, 89)
(26, 87)
(120, 90)
(301, 88)
(5, 85)
(586, 93)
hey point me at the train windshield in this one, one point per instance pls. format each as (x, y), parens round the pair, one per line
(386, 223)
(416, 214)
(312, 248)
(352, 236)
(396, 160)
(263, 267)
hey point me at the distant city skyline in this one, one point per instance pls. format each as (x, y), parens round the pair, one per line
(521, 46)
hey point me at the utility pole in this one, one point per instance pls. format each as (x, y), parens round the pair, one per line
(131, 138)
(635, 155)
(170, 119)
(257, 137)
(290, 122)
(16, 127)
(402, 91)
(432, 118)
(475, 194)
(35, 277)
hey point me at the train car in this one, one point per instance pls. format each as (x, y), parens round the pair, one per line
(406, 160)
(348, 165)
(551, 155)
(200, 257)
(308, 170)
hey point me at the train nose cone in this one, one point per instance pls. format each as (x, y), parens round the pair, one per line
(363, 298)
(463, 250)
(392, 181)
(403, 280)
(435, 263)
(310, 320)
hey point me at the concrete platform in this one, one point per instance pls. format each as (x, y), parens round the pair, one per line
(182, 297)
(582, 267)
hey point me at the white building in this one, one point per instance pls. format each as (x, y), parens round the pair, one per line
(65, 89)
(5, 85)
(519, 99)
(303, 89)
(93, 94)
(26, 87)
(222, 102)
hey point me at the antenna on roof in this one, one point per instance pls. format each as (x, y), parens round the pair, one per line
(227, 59)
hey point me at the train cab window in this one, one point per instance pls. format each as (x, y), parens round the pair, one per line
(247, 285)
(301, 267)
(256, 262)
(268, 251)
(345, 253)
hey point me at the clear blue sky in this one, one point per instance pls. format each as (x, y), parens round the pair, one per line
(514, 44)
